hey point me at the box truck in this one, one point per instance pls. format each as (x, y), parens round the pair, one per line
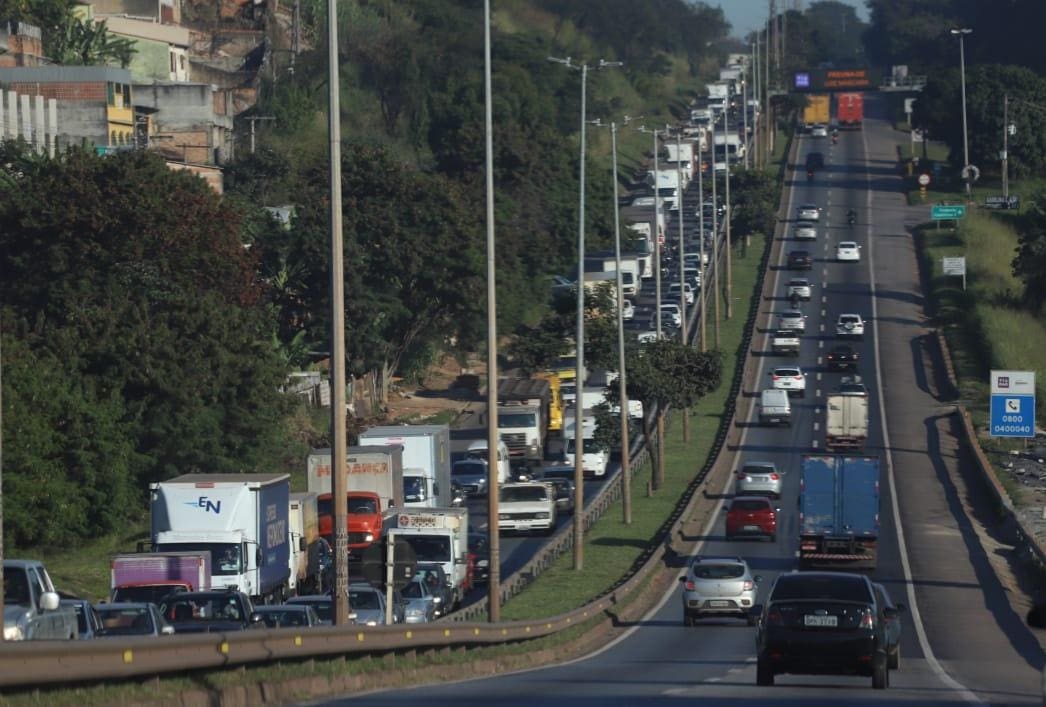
(849, 110)
(426, 461)
(150, 576)
(839, 510)
(240, 519)
(438, 535)
(307, 550)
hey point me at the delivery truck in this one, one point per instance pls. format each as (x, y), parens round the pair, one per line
(849, 110)
(425, 460)
(846, 422)
(839, 511)
(373, 484)
(307, 551)
(151, 576)
(240, 519)
(816, 110)
(439, 535)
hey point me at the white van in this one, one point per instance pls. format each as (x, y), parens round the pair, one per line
(478, 450)
(593, 462)
(775, 408)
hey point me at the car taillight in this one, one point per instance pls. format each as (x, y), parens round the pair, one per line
(689, 586)
(740, 476)
(774, 477)
(866, 619)
(775, 376)
(799, 377)
(774, 618)
(749, 586)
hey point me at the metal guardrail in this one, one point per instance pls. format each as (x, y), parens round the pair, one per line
(37, 663)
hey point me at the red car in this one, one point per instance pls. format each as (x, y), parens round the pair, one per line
(752, 515)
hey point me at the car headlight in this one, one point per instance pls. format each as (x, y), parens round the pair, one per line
(372, 623)
(504, 516)
(369, 537)
(14, 633)
(542, 515)
(415, 612)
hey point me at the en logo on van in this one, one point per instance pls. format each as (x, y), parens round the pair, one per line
(206, 504)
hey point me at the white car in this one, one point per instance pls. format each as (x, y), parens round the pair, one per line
(818, 130)
(790, 378)
(848, 252)
(849, 325)
(799, 286)
(792, 320)
(672, 309)
(805, 231)
(627, 309)
(688, 292)
(808, 212)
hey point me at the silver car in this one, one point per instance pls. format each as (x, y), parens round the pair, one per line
(808, 212)
(472, 475)
(799, 286)
(368, 604)
(805, 231)
(421, 605)
(718, 586)
(792, 320)
(758, 478)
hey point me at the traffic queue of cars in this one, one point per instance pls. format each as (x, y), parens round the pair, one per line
(810, 622)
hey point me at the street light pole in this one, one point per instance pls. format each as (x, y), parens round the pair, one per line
(744, 116)
(1005, 146)
(579, 378)
(682, 267)
(961, 33)
(701, 230)
(626, 472)
(759, 107)
(715, 233)
(493, 439)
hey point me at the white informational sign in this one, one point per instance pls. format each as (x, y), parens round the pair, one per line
(954, 266)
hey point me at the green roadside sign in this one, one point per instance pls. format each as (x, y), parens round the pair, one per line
(947, 212)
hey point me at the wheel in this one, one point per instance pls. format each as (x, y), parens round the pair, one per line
(880, 671)
(773, 537)
(751, 619)
(764, 673)
(894, 660)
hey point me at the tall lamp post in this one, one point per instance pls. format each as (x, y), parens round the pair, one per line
(579, 380)
(682, 265)
(961, 32)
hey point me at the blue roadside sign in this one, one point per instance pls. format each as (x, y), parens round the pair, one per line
(1012, 404)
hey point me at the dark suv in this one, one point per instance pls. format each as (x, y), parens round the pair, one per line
(216, 611)
(800, 260)
(814, 160)
(824, 623)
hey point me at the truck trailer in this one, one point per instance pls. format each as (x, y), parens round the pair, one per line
(839, 511)
(426, 461)
(150, 576)
(816, 110)
(849, 110)
(240, 519)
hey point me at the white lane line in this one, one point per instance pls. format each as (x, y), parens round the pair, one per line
(817, 426)
(817, 394)
(824, 272)
(817, 411)
(818, 378)
(823, 313)
(812, 444)
(820, 359)
(822, 329)
(820, 345)
(824, 298)
(902, 545)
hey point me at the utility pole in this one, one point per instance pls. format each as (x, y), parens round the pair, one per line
(1005, 146)
(493, 439)
(967, 176)
(728, 214)
(715, 231)
(744, 115)
(626, 471)
(339, 448)
(701, 246)
(757, 113)
(682, 268)
(255, 118)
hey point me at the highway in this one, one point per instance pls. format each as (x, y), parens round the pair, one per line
(963, 642)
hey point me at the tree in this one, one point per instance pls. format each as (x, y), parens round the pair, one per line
(77, 41)
(1030, 262)
(667, 373)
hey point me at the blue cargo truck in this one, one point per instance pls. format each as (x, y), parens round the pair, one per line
(839, 510)
(242, 520)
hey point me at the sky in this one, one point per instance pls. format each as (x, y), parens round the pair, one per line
(745, 16)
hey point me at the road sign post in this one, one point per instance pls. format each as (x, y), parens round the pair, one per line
(947, 212)
(955, 266)
(1012, 404)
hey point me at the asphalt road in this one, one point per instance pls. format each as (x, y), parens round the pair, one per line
(963, 642)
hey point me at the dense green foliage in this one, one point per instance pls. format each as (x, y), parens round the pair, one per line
(1030, 262)
(67, 38)
(136, 340)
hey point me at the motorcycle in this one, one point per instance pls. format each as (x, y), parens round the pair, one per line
(835, 139)
(809, 175)
(851, 218)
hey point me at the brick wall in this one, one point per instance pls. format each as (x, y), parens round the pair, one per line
(94, 91)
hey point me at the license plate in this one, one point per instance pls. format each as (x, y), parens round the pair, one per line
(821, 621)
(718, 604)
(751, 528)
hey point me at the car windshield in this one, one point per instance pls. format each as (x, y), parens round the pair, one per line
(723, 571)
(363, 506)
(324, 609)
(471, 467)
(274, 618)
(753, 504)
(413, 590)
(364, 600)
(126, 621)
(203, 608)
(429, 548)
(16, 588)
(831, 587)
(511, 494)
(152, 594)
(518, 419)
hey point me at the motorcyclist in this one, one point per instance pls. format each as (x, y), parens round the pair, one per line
(795, 300)
(835, 135)
(851, 216)
(809, 175)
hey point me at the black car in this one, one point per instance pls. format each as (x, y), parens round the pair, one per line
(842, 358)
(800, 260)
(814, 160)
(215, 611)
(893, 626)
(824, 623)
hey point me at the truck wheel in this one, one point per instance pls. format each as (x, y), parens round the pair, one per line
(880, 671)
(773, 537)
(764, 673)
(894, 660)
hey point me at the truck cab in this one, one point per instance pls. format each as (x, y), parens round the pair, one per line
(438, 535)
(32, 609)
(594, 459)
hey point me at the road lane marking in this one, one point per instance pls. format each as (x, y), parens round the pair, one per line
(812, 444)
(818, 378)
(824, 312)
(820, 345)
(822, 329)
(816, 395)
(819, 360)
(817, 426)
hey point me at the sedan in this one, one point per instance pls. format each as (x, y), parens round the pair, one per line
(800, 287)
(132, 619)
(800, 260)
(758, 478)
(688, 292)
(790, 378)
(718, 586)
(805, 231)
(672, 309)
(87, 621)
(892, 621)
(808, 212)
(848, 252)
(322, 604)
(368, 604)
(842, 358)
(818, 130)
(850, 325)
(751, 516)
(792, 320)
(420, 602)
(285, 615)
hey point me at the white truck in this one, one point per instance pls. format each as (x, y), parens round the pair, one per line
(241, 519)
(668, 186)
(305, 553)
(683, 156)
(438, 535)
(426, 461)
(729, 147)
(527, 507)
(594, 460)
(846, 426)
(32, 609)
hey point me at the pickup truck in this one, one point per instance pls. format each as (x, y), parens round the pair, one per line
(32, 609)
(527, 507)
(785, 342)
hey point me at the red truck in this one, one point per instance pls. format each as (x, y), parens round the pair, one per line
(151, 576)
(849, 110)
(375, 485)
